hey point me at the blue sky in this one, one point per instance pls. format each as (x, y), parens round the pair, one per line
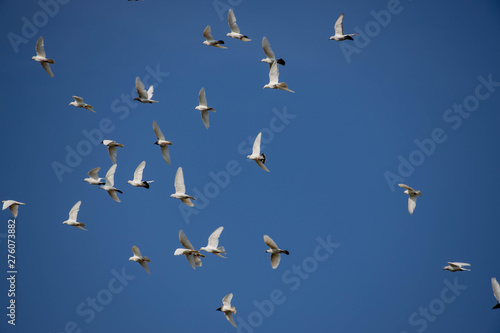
(359, 108)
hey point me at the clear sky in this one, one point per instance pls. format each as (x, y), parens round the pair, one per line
(413, 99)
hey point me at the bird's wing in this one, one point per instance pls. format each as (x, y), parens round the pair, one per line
(73, 213)
(207, 33)
(406, 187)
(259, 163)
(226, 301)
(496, 288)
(165, 153)
(268, 240)
(110, 176)
(158, 131)
(40, 50)
(197, 261)
(205, 118)
(151, 90)
(213, 240)
(187, 202)
(412, 203)
(274, 73)
(78, 99)
(93, 173)
(256, 145)
(275, 260)
(267, 48)
(141, 90)
(14, 210)
(136, 251)
(190, 259)
(7, 204)
(202, 97)
(229, 317)
(138, 171)
(231, 19)
(113, 150)
(113, 195)
(145, 266)
(185, 241)
(339, 29)
(179, 181)
(459, 264)
(46, 66)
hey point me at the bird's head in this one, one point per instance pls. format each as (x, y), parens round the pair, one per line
(248, 156)
(33, 58)
(172, 195)
(131, 259)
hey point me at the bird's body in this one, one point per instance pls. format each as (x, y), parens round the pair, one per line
(80, 104)
(270, 57)
(227, 309)
(275, 251)
(144, 96)
(274, 79)
(412, 200)
(456, 266)
(213, 244)
(192, 255)
(202, 99)
(110, 182)
(94, 178)
(138, 257)
(112, 149)
(137, 181)
(235, 30)
(73, 215)
(12, 205)
(162, 142)
(210, 41)
(180, 189)
(259, 158)
(339, 30)
(41, 57)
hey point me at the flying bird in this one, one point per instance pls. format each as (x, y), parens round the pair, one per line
(73, 214)
(112, 149)
(228, 309)
(456, 266)
(162, 142)
(93, 177)
(274, 79)
(270, 58)
(180, 189)
(496, 292)
(192, 255)
(275, 251)
(80, 104)
(213, 244)
(138, 182)
(339, 30)
(412, 200)
(235, 30)
(202, 98)
(137, 257)
(259, 158)
(40, 57)
(210, 41)
(12, 205)
(110, 183)
(144, 96)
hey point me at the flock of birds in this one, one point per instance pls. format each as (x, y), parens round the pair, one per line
(146, 96)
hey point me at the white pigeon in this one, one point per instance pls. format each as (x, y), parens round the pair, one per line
(210, 41)
(110, 183)
(93, 177)
(80, 104)
(259, 158)
(162, 142)
(13, 205)
(191, 254)
(40, 57)
(228, 309)
(213, 244)
(235, 30)
(275, 251)
(412, 200)
(180, 189)
(138, 182)
(73, 214)
(202, 98)
(274, 79)
(496, 292)
(144, 96)
(339, 30)
(456, 266)
(270, 57)
(137, 257)
(112, 149)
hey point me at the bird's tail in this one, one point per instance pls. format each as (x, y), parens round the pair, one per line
(281, 62)
(496, 306)
(119, 145)
(245, 39)
(146, 259)
(262, 158)
(50, 61)
(146, 184)
(221, 249)
(220, 42)
(286, 252)
(118, 191)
